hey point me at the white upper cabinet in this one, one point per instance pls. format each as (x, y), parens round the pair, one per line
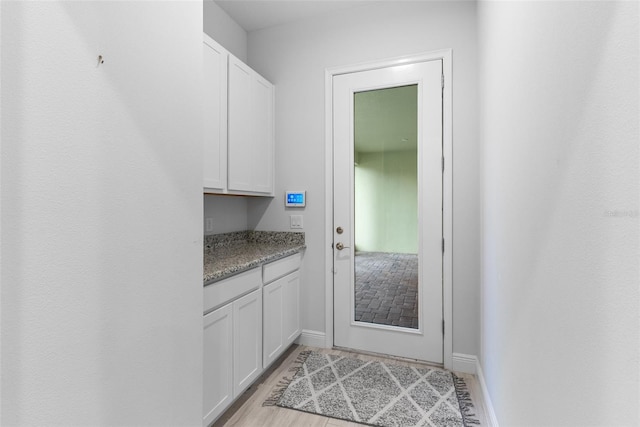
(215, 59)
(239, 126)
(250, 130)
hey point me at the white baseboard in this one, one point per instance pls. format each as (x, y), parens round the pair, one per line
(311, 338)
(486, 399)
(464, 363)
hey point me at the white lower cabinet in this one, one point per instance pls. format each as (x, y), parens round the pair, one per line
(218, 362)
(281, 317)
(273, 321)
(291, 312)
(232, 357)
(246, 328)
(247, 341)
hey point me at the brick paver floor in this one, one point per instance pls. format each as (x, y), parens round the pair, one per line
(387, 289)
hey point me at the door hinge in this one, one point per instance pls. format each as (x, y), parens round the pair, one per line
(443, 245)
(442, 81)
(443, 327)
(442, 164)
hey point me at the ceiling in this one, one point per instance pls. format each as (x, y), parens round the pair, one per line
(385, 120)
(258, 14)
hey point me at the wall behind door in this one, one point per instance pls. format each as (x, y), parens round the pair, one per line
(294, 57)
(386, 202)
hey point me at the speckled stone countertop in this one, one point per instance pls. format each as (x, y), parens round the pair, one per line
(231, 253)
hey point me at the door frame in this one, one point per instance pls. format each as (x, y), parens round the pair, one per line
(447, 187)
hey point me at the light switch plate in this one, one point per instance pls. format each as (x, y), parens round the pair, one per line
(295, 221)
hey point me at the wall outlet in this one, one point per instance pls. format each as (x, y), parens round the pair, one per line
(295, 221)
(208, 224)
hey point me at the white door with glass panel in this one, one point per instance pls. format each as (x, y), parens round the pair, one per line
(387, 236)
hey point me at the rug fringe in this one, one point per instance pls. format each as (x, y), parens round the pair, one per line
(279, 389)
(465, 402)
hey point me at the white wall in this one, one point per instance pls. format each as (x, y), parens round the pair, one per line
(224, 214)
(101, 213)
(559, 112)
(1, 210)
(294, 57)
(223, 29)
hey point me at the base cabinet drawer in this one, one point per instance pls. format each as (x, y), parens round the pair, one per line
(281, 316)
(227, 290)
(280, 268)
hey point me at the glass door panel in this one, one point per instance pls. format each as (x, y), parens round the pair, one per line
(386, 206)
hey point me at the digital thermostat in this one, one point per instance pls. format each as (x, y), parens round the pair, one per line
(295, 199)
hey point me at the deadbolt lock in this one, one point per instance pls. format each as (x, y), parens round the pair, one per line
(339, 230)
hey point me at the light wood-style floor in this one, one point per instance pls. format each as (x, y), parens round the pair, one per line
(248, 411)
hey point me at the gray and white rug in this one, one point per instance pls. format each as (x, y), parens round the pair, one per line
(375, 393)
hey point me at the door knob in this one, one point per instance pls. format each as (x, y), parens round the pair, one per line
(340, 246)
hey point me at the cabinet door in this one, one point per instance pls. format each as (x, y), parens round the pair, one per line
(273, 321)
(240, 126)
(217, 363)
(262, 147)
(247, 340)
(250, 133)
(215, 116)
(291, 312)
(281, 315)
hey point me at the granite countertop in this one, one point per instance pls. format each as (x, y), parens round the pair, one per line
(231, 253)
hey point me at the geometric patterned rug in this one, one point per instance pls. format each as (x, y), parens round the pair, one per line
(375, 393)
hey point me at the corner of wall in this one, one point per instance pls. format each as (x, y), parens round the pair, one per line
(490, 415)
(224, 30)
